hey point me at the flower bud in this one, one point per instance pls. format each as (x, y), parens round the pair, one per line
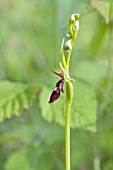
(77, 17)
(68, 46)
(76, 25)
(72, 19)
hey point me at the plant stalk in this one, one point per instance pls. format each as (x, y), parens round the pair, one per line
(97, 163)
(67, 137)
(69, 96)
(66, 48)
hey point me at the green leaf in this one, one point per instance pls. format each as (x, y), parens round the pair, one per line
(40, 157)
(79, 151)
(18, 161)
(83, 111)
(30, 158)
(14, 98)
(92, 72)
(100, 39)
(105, 8)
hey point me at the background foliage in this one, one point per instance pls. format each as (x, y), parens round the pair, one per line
(30, 37)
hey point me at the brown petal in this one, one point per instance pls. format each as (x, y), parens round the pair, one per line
(54, 96)
(60, 84)
(59, 74)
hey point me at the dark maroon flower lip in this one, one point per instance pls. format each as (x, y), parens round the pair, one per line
(58, 88)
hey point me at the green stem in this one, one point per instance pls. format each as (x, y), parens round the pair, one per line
(67, 137)
(68, 60)
(69, 96)
(64, 64)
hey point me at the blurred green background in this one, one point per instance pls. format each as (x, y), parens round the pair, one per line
(31, 32)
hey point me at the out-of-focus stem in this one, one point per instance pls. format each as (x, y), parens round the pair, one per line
(97, 163)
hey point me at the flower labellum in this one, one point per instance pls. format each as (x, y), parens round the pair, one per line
(58, 88)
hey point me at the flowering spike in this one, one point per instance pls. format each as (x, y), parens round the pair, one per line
(65, 54)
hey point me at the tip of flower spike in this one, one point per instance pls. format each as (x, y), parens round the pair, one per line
(77, 16)
(74, 17)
